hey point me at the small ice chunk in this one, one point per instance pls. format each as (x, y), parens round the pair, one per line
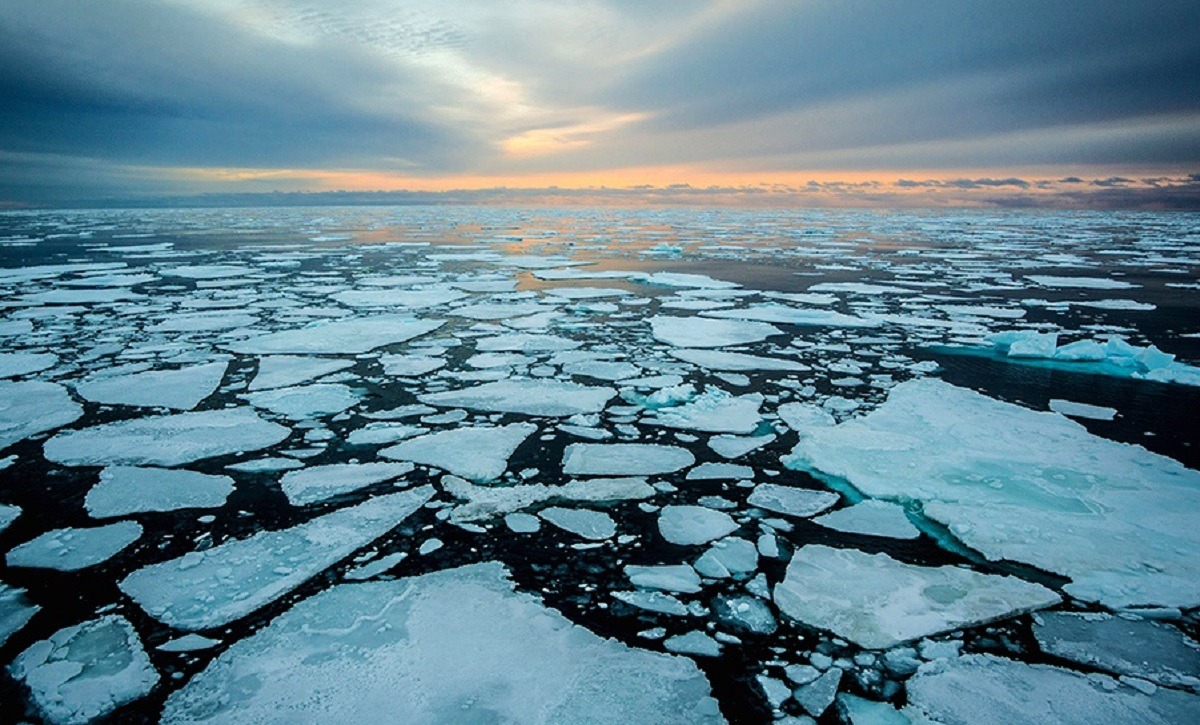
(477, 453)
(188, 643)
(653, 602)
(714, 411)
(728, 446)
(874, 518)
(1082, 410)
(180, 389)
(817, 696)
(8, 514)
(679, 578)
(521, 523)
(407, 366)
(624, 459)
(693, 525)
(878, 602)
(320, 483)
(210, 588)
(166, 440)
(72, 549)
(130, 489)
(594, 525)
(531, 397)
(720, 471)
(693, 643)
(745, 613)
(792, 501)
(84, 672)
(728, 557)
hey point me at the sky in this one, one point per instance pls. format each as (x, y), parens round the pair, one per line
(1070, 103)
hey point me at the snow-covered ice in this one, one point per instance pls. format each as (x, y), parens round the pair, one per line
(702, 332)
(320, 483)
(878, 602)
(205, 589)
(166, 440)
(791, 500)
(340, 337)
(71, 549)
(531, 397)
(693, 525)
(439, 647)
(179, 389)
(478, 453)
(31, 407)
(595, 525)
(126, 490)
(624, 459)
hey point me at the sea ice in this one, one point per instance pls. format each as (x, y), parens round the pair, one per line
(1149, 650)
(165, 440)
(8, 514)
(790, 500)
(439, 647)
(341, 337)
(878, 602)
(15, 611)
(874, 518)
(31, 407)
(210, 588)
(16, 364)
(713, 411)
(84, 672)
(320, 483)
(679, 578)
(693, 525)
(624, 459)
(483, 502)
(408, 366)
(595, 525)
(180, 389)
(693, 643)
(531, 397)
(305, 401)
(1079, 282)
(728, 446)
(653, 602)
(1082, 410)
(728, 557)
(736, 361)
(1026, 486)
(479, 453)
(129, 489)
(703, 332)
(72, 549)
(1004, 691)
(788, 315)
(281, 371)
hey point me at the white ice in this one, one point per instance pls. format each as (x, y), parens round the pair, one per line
(594, 525)
(166, 440)
(305, 401)
(791, 500)
(210, 588)
(71, 549)
(701, 332)
(281, 371)
(484, 502)
(878, 602)
(15, 611)
(346, 337)
(478, 453)
(16, 364)
(178, 389)
(1082, 410)
(84, 672)
(531, 397)
(320, 483)
(713, 411)
(31, 407)
(693, 525)
(624, 459)
(736, 361)
(126, 490)
(458, 645)
(679, 578)
(874, 518)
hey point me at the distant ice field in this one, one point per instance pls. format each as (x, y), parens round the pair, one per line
(602, 465)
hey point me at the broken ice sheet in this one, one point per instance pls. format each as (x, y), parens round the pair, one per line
(71, 549)
(1026, 486)
(15, 611)
(478, 453)
(624, 459)
(701, 332)
(878, 602)
(305, 401)
(29, 408)
(531, 397)
(434, 648)
(165, 440)
(130, 489)
(179, 389)
(84, 672)
(341, 337)
(594, 525)
(205, 589)
(320, 483)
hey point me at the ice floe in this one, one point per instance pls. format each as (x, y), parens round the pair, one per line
(340, 337)
(305, 401)
(791, 500)
(319, 483)
(31, 407)
(1026, 486)
(72, 549)
(595, 525)
(478, 453)
(693, 332)
(180, 389)
(531, 397)
(165, 440)
(126, 490)
(205, 589)
(281, 371)
(875, 518)
(878, 602)
(693, 525)
(432, 648)
(15, 611)
(624, 459)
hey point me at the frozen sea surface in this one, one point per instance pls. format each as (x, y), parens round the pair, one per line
(592, 465)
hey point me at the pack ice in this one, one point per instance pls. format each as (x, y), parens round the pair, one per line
(456, 645)
(531, 397)
(1026, 486)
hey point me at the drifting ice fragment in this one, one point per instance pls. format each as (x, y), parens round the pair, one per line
(73, 549)
(438, 647)
(29, 408)
(181, 389)
(878, 602)
(874, 518)
(210, 588)
(319, 483)
(129, 489)
(624, 459)
(594, 525)
(693, 525)
(531, 397)
(305, 401)
(342, 337)
(790, 500)
(703, 332)
(15, 611)
(480, 453)
(281, 371)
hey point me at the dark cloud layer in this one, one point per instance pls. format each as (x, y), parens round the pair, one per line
(125, 97)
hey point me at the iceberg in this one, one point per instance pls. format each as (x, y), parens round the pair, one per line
(434, 648)
(211, 588)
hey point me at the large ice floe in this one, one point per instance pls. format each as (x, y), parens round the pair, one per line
(132, 489)
(624, 459)
(440, 647)
(702, 332)
(877, 602)
(180, 389)
(346, 337)
(1026, 486)
(71, 549)
(165, 440)
(32, 407)
(531, 397)
(209, 588)
(478, 453)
